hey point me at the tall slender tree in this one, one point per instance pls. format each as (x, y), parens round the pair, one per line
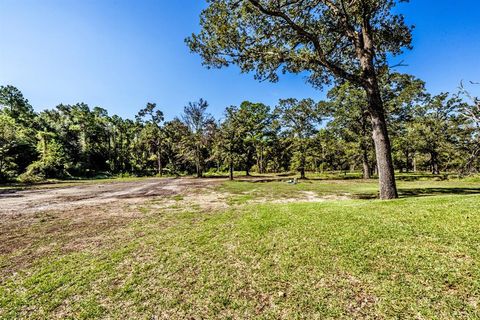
(254, 120)
(301, 120)
(152, 118)
(229, 144)
(197, 119)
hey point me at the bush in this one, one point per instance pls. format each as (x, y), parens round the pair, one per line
(31, 177)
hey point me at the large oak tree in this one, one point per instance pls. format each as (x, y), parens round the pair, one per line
(331, 39)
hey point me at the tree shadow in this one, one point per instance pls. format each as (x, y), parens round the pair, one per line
(9, 193)
(424, 192)
(335, 178)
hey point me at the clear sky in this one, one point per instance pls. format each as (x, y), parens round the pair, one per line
(120, 54)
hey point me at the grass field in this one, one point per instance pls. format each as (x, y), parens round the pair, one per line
(331, 251)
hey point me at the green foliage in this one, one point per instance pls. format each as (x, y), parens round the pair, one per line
(300, 119)
(152, 134)
(201, 126)
(10, 136)
(323, 38)
(255, 122)
(436, 127)
(13, 104)
(470, 114)
(329, 40)
(437, 133)
(53, 162)
(229, 142)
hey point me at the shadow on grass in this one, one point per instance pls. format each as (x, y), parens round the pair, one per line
(422, 192)
(9, 193)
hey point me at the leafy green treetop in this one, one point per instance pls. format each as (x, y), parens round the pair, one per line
(301, 120)
(152, 118)
(197, 119)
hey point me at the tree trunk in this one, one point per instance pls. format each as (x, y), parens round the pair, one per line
(366, 164)
(199, 172)
(248, 162)
(302, 167)
(198, 164)
(159, 162)
(262, 160)
(407, 160)
(383, 150)
(434, 163)
(231, 171)
(414, 160)
(159, 165)
(365, 50)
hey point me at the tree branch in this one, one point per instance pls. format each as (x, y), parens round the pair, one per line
(336, 70)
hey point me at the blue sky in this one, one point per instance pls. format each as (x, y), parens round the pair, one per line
(120, 54)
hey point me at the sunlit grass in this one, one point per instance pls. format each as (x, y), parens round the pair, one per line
(415, 257)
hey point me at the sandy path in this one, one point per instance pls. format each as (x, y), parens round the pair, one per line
(96, 194)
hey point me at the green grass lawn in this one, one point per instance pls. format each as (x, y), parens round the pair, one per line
(416, 257)
(358, 189)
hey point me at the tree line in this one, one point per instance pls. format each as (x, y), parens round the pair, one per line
(436, 133)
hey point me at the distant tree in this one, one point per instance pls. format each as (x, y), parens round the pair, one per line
(13, 104)
(197, 120)
(21, 151)
(119, 144)
(278, 154)
(229, 142)
(53, 162)
(177, 142)
(350, 120)
(254, 120)
(301, 120)
(332, 150)
(152, 118)
(99, 152)
(11, 135)
(435, 128)
(470, 111)
(343, 40)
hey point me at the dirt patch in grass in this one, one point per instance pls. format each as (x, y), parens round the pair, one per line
(39, 222)
(26, 238)
(302, 196)
(69, 198)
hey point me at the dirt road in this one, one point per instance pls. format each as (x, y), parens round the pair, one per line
(83, 195)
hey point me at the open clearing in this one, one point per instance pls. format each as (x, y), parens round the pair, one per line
(84, 195)
(210, 248)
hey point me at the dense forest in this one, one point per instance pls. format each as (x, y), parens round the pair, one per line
(435, 133)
